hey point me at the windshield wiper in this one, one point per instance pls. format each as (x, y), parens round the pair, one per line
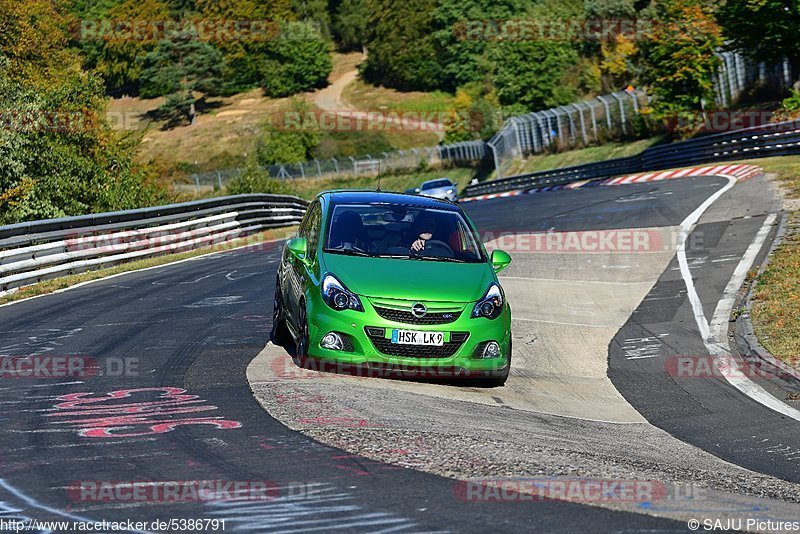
(434, 258)
(350, 252)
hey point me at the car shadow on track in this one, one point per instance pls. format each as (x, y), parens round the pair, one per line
(447, 376)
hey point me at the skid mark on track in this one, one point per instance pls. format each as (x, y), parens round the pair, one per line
(325, 508)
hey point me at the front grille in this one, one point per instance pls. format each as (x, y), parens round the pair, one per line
(405, 316)
(385, 346)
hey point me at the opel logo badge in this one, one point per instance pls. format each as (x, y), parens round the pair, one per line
(418, 309)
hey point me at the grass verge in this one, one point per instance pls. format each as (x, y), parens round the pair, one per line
(776, 302)
(307, 188)
(49, 286)
(569, 158)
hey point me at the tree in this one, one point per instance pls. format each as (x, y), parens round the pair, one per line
(679, 62)
(350, 24)
(402, 51)
(116, 57)
(178, 69)
(768, 30)
(314, 12)
(58, 156)
(299, 61)
(283, 142)
(466, 32)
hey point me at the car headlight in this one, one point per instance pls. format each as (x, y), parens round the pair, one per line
(449, 191)
(337, 296)
(491, 305)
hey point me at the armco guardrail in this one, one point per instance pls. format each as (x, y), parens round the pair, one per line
(777, 139)
(34, 251)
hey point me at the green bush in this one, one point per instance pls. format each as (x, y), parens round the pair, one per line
(256, 180)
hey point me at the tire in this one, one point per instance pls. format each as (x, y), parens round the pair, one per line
(280, 333)
(302, 336)
(499, 380)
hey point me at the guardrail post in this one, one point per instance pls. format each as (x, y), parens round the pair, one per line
(498, 173)
(608, 111)
(583, 124)
(621, 111)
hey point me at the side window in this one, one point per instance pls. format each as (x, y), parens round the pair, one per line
(314, 223)
(302, 231)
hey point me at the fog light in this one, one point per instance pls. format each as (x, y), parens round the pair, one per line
(492, 350)
(332, 341)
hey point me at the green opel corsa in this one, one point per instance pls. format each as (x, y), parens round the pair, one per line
(393, 282)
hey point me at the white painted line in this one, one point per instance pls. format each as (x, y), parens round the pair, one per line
(684, 172)
(686, 226)
(193, 258)
(715, 334)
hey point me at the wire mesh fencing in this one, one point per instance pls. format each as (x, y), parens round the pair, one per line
(578, 124)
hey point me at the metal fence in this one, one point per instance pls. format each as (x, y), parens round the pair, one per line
(35, 251)
(738, 73)
(368, 164)
(562, 127)
(579, 124)
(777, 139)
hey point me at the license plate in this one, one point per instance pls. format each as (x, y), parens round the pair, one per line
(414, 337)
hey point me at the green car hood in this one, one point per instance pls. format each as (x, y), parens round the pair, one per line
(423, 280)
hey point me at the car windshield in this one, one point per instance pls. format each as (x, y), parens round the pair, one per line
(436, 184)
(401, 231)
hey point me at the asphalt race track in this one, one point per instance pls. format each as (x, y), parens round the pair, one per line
(187, 332)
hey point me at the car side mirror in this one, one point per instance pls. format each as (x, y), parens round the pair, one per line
(298, 247)
(500, 260)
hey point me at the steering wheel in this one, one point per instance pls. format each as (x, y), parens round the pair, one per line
(432, 244)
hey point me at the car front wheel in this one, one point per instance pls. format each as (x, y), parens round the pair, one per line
(280, 333)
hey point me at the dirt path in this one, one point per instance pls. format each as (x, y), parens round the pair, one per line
(331, 99)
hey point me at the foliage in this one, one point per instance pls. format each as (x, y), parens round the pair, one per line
(117, 59)
(402, 51)
(475, 114)
(790, 107)
(179, 69)
(58, 156)
(282, 143)
(300, 61)
(256, 180)
(350, 24)
(767, 29)
(316, 13)
(679, 62)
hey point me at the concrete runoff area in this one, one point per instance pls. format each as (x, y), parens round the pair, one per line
(558, 416)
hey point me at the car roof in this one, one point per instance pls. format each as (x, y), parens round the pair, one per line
(351, 196)
(437, 180)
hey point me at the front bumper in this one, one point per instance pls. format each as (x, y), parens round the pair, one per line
(369, 348)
